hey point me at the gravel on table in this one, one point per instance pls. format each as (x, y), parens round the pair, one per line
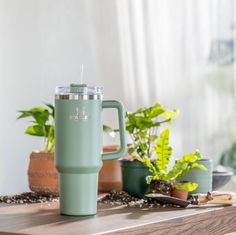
(123, 198)
(112, 198)
(27, 198)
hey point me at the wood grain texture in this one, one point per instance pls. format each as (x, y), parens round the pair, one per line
(213, 222)
(45, 219)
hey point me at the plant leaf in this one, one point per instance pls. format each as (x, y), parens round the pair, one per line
(183, 165)
(131, 150)
(156, 110)
(149, 178)
(200, 166)
(189, 187)
(43, 124)
(147, 162)
(36, 130)
(163, 151)
(171, 114)
(24, 114)
(143, 123)
(50, 106)
(41, 116)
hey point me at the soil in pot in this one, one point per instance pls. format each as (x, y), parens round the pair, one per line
(160, 186)
(42, 174)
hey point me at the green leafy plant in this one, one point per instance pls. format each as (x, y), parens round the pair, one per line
(143, 125)
(163, 151)
(43, 125)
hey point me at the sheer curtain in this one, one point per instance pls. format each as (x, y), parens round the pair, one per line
(171, 53)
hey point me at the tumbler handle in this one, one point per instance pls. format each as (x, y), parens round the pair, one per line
(120, 109)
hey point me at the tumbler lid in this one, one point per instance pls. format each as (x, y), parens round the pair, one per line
(78, 92)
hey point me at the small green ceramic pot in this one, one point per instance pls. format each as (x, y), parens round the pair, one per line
(134, 175)
(201, 177)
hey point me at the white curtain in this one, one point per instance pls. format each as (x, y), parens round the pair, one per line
(170, 54)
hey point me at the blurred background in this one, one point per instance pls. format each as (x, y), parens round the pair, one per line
(177, 53)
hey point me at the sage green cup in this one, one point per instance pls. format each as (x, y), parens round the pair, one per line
(201, 177)
(78, 145)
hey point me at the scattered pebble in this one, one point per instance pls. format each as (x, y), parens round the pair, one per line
(123, 198)
(113, 198)
(28, 198)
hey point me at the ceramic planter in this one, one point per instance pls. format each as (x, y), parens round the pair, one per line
(134, 178)
(42, 174)
(201, 177)
(110, 173)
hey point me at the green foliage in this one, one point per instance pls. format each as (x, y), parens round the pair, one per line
(42, 119)
(181, 166)
(188, 186)
(43, 125)
(163, 151)
(142, 126)
(147, 161)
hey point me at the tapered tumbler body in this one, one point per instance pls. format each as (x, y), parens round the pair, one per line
(78, 137)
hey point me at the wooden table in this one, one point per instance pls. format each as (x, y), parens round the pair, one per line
(45, 219)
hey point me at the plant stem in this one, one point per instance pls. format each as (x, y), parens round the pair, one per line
(149, 143)
(48, 146)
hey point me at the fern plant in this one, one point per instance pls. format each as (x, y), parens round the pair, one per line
(159, 168)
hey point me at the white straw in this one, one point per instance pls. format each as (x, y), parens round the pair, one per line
(82, 73)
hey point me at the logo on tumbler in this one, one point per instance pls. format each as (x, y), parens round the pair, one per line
(80, 114)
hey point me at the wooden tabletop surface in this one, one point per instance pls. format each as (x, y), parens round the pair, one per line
(45, 219)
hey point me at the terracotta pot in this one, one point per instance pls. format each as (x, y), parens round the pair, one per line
(110, 173)
(42, 174)
(181, 194)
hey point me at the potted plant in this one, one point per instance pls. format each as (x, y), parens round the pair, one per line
(142, 125)
(181, 189)
(42, 174)
(166, 181)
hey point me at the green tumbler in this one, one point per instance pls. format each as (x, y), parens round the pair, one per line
(78, 145)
